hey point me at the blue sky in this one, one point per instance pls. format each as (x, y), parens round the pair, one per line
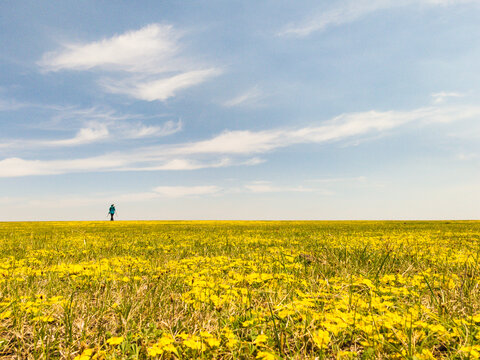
(240, 109)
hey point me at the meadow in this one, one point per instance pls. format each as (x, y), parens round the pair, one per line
(240, 290)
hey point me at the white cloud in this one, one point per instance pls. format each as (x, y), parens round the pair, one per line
(341, 127)
(6, 200)
(448, 2)
(164, 191)
(141, 131)
(87, 135)
(140, 50)
(99, 122)
(467, 156)
(98, 132)
(164, 163)
(181, 191)
(253, 161)
(340, 180)
(268, 187)
(84, 115)
(145, 64)
(231, 147)
(441, 96)
(95, 125)
(341, 184)
(14, 167)
(100, 199)
(249, 97)
(344, 12)
(159, 89)
(11, 105)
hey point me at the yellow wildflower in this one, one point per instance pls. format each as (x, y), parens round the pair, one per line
(85, 355)
(321, 338)
(264, 355)
(260, 339)
(116, 340)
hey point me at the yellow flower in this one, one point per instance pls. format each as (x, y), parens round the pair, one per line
(194, 344)
(212, 342)
(321, 338)
(44, 318)
(165, 343)
(5, 314)
(116, 340)
(260, 339)
(285, 312)
(344, 354)
(85, 355)
(248, 323)
(424, 355)
(264, 355)
(472, 351)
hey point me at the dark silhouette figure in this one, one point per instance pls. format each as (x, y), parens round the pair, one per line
(111, 211)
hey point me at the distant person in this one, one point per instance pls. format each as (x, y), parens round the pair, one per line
(111, 211)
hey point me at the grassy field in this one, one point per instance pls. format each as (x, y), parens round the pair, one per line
(249, 290)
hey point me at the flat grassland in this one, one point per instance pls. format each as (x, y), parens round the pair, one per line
(229, 290)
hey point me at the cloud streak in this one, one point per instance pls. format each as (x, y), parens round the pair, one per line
(159, 89)
(182, 191)
(344, 12)
(440, 97)
(94, 126)
(97, 132)
(341, 127)
(259, 187)
(237, 147)
(11, 105)
(249, 97)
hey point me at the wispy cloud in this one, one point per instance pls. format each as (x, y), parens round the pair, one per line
(147, 49)
(249, 97)
(344, 12)
(181, 191)
(162, 191)
(158, 192)
(83, 115)
(340, 180)
(340, 184)
(170, 192)
(10, 105)
(440, 97)
(159, 89)
(146, 64)
(95, 132)
(468, 156)
(268, 187)
(341, 127)
(87, 135)
(94, 125)
(142, 131)
(231, 147)
(14, 167)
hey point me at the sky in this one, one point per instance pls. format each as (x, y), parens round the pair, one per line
(270, 109)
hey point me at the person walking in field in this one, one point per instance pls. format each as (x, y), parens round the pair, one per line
(111, 211)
